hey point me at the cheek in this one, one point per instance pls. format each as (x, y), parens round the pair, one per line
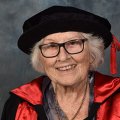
(83, 61)
(83, 66)
(48, 64)
(83, 58)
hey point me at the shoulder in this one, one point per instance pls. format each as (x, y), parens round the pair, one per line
(31, 92)
(105, 86)
(107, 93)
(10, 107)
(105, 79)
(28, 94)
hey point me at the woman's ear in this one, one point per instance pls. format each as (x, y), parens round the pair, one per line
(92, 58)
(40, 65)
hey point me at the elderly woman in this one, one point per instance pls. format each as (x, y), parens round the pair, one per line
(66, 44)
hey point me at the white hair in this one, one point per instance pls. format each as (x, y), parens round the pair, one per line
(35, 58)
(96, 48)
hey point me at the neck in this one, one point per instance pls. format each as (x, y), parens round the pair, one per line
(70, 92)
(71, 100)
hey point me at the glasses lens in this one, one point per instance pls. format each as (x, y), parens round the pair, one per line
(53, 49)
(50, 50)
(74, 46)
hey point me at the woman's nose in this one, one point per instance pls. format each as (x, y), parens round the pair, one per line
(63, 55)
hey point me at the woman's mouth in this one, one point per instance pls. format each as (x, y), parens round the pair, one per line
(66, 68)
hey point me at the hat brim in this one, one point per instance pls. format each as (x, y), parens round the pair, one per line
(28, 39)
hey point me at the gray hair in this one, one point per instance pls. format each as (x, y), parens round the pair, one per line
(96, 48)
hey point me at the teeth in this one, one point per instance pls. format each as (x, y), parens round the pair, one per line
(66, 67)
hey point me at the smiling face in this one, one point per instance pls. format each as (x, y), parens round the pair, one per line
(66, 69)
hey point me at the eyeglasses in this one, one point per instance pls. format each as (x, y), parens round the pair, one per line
(71, 47)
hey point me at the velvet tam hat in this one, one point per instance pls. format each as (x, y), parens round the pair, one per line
(62, 19)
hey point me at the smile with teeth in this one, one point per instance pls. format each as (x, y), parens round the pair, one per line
(69, 67)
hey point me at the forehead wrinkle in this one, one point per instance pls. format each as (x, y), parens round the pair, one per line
(62, 37)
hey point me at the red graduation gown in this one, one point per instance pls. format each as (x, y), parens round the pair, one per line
(106, 92)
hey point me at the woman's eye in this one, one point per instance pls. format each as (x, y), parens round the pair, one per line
(73, 42)
(53, 45)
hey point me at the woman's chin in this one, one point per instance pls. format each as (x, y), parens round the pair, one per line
(68, 82)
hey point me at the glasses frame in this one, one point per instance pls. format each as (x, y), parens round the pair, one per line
(63, 45)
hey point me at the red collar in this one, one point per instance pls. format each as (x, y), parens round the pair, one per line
(31, 91)
(104, 87)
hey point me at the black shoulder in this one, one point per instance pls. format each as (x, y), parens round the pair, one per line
(10, 107)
